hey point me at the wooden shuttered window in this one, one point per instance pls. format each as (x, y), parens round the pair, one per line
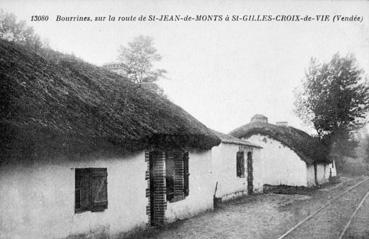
(91, 192)
(170, 176)
(99, 189)
(177, 175)
(82, 190)
(186, 174)
(240, 164)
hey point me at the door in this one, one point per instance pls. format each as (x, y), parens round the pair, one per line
(250, 176)
(157, 188)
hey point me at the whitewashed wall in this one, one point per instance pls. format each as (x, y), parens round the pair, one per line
(323, 173)
(224, 167)
(332, 168)
(225, 171)
(310, 176)
(37, 199)
(201, 185)
(258, 170)
(280, 164)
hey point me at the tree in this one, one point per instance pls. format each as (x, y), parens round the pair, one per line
(18, 32)
(335, 98)
(139, 58)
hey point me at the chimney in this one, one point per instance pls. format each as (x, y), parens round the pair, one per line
(259, 118)
(282, 123)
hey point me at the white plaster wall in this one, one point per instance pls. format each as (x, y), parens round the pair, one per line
(201, 185)
(327, 171)
(324, 172)
(224, 167)
(280, 164)
(321, 173)
(310, 175)
(37, 199)
(332, 169)
(258, 170)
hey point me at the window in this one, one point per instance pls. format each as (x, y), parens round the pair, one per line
(240, 164)
(91, 189)
(177, 175)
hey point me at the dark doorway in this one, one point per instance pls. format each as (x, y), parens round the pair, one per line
(250, 176)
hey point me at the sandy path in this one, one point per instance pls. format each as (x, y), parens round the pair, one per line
(257, 216)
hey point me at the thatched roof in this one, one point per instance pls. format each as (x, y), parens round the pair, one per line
(229, 139)
(71, 105)
(306, 146)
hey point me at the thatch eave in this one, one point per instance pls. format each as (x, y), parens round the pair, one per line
(304, 145)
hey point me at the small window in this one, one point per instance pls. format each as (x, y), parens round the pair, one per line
(240, 164)
(177, 175)
(91, 189)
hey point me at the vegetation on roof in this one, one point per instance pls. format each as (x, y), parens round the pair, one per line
(307, 147)
(226, 138)
(71, 105)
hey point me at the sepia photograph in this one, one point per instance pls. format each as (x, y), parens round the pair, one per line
(184, 119)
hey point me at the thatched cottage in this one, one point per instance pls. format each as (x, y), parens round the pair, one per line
(83, 151)
(290, 156)
(236, 167)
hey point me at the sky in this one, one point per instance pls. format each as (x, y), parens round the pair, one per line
(221, 72)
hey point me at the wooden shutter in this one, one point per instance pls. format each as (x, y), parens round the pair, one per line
(169, 168)
(157, 204)
(240, 164)
(243, 165)
(186, 174)
(82, 190)
(178, 175)
(99, 189)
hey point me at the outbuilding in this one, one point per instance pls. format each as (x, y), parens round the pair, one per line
(83, 151)
(237, 167)
(289, 156)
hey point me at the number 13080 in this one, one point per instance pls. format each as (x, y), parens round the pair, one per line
(38, 18)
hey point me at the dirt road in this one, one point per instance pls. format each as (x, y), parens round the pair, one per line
(334, 219)
(271, 215)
